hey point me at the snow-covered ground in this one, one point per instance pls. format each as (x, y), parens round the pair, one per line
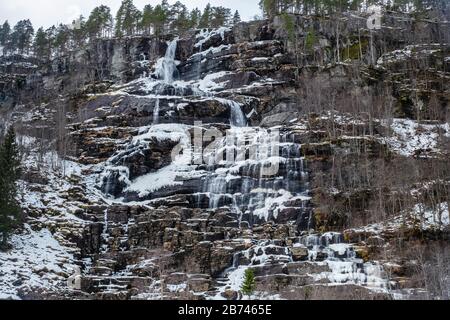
(41, 260)
(420, 216)
(37, 261)
(411, 138)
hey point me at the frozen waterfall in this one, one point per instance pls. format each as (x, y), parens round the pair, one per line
(166, 67)
(165, 70)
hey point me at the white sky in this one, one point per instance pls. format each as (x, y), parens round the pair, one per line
(48, 12)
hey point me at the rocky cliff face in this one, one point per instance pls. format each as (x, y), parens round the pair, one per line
(118, 182)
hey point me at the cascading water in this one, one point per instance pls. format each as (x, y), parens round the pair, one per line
(165, 69)
(337, 263)
(105, 234)
(237, 116)
(243, 185)
(156, 112)
(166, 66)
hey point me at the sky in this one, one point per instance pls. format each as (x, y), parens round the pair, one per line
(49, 12)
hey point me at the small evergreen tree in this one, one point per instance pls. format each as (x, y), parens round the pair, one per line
(78, 33)
(51, 39)
(179, 17)
(62, 39)
(9, 174)
(236, 18)
(270, 8)
(248, 287)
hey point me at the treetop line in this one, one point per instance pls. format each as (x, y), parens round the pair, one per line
(165, 18)
(129, 20)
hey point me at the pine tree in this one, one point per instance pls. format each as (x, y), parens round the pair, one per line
(248, 287)
(5, 33)
(205, 20)
(62, 38)
(179, 17)
(79, 31)
(40, 44)
(100, 22)
(22, 36)
(165, 5)
(220, 17)
(194, 18)
(270, 8)
(128, 19)
(160, 17)
(51, 38)
(236, 18)
(9, 174)
(147, 19)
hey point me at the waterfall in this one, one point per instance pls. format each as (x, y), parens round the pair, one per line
(237, 116)
(242, 183)
(165, 69)
(105, 235)
(156, 112)
(166, 66)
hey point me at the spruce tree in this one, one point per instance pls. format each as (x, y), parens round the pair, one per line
(248, 287)
(9, 174)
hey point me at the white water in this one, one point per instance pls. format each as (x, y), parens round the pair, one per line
(344, 267)
(105, 235)
(237, 116)
(166, 66)
(156, 112)
(165, 69)
(241, 182)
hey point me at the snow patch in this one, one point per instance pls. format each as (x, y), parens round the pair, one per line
(37, 261)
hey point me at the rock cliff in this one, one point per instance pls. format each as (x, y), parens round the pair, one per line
(118, 183)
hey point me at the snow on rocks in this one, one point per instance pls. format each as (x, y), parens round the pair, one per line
(37, 261)
(432, 219)
(174, 174)
(411, 51)
(205, 35)
(422, 217)
(411, 138)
